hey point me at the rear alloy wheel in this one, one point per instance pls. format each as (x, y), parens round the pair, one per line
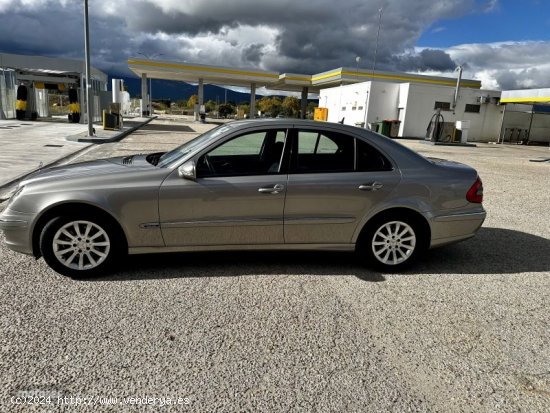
(78, 247)
(393, 244)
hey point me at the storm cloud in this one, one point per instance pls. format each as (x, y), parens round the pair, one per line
(284, 36)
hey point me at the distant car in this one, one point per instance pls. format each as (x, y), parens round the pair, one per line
(268, 184)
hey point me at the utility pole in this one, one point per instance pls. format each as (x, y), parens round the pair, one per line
(380, 11)
(89, 106)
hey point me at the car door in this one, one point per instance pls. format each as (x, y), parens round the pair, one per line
(334, 180)
(237, 198)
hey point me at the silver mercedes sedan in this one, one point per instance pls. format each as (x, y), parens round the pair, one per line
(258, 184)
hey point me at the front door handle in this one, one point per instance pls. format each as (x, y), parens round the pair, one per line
(373, 186)
(275, 189)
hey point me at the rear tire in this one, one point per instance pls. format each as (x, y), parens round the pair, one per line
(80, 247)
(391, 244)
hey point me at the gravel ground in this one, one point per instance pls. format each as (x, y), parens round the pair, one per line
(466, 330)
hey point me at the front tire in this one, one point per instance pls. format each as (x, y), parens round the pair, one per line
(79, 247)
(392, 244)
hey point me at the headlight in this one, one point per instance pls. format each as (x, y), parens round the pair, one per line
(14, 196)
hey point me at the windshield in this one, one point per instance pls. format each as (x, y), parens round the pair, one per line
(175, 155)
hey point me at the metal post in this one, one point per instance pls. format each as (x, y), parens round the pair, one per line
(457, 89)
(501, 137)
(530, 124)
(144, 96)
(200, 100)
(252, 113)
(380, 11)
(89, 107)
(303, 101)
(151, 95)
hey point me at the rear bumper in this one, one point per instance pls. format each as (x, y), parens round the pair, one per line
(16, 228)
(447, 229)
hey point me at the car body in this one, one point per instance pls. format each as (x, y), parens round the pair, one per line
(253, 184)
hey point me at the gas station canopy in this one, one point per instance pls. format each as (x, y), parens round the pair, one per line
(526, 96)
(253, 78)
(192, 72)
(291, 82)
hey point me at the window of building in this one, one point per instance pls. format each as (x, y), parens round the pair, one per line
(442, 105)
(472, 108)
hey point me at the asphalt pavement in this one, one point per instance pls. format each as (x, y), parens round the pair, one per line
(465, 330)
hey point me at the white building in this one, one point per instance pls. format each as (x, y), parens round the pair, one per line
(414, 104)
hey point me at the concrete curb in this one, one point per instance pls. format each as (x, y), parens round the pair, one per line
(113, 138)
(469, 145)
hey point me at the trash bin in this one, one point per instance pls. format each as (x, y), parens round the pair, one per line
(110, 121)
(385, 127)
(394, 128)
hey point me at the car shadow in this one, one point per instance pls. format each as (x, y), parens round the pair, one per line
(491, 251)
(241, 263)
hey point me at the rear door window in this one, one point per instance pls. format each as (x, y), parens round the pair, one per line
(323, 151)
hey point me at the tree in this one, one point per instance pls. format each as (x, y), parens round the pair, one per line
(264, 104)
(244, 110)
(225, 109)
(181, 103)
(210, 106)
(192, 101)
(291, 106)
(270, 106)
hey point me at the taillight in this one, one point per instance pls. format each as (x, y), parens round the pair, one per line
(475, 193)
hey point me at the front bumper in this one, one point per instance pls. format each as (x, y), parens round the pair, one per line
(447, 229)
(17, 230)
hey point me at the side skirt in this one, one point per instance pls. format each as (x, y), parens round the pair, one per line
(267, 247)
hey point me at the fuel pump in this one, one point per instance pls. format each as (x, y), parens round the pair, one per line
(434, 131)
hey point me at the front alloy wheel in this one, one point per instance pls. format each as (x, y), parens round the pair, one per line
(81, 245)
(78, 247)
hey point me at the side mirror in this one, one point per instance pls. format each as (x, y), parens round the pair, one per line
(188, 171)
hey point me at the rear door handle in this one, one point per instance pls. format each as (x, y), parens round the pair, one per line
(374, 186)
(275, 189)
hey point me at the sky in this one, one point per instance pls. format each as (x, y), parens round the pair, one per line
(503, 43)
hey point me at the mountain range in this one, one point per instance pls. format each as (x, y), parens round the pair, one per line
(173, 91)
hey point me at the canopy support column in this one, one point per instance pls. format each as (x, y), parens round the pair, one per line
(144, 96)
(252, 113)
(304, 102)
